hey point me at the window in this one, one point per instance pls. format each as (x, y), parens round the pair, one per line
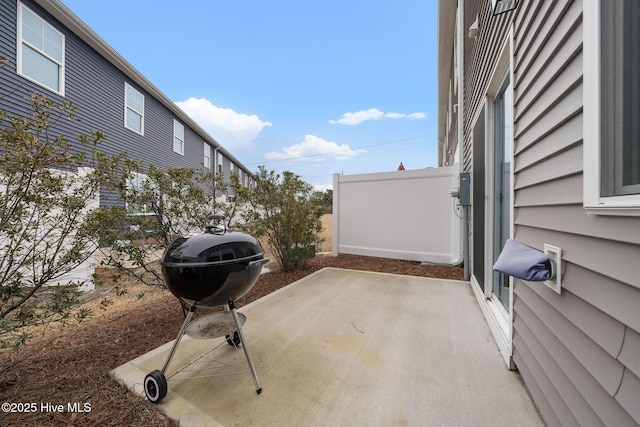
(178, 137)
(135, 185)
(620, 98)
(502, 154)
(611, 126)
(133, 109)
(207, 156)
(220, 159)
(40, 51)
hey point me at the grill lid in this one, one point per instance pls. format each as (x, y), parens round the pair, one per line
(211, 248)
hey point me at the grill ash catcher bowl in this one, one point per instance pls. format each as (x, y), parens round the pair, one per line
(209, 270)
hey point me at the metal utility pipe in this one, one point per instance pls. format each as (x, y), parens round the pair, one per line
(465, 240)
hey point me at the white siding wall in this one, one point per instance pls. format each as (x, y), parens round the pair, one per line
(403, 215)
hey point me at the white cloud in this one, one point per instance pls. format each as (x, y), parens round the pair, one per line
(358, 117)
(234, 131)
(416, 116)
(323, 187)
(316, 149)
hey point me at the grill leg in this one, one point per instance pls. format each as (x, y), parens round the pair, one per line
(179, 337)
(234, 313)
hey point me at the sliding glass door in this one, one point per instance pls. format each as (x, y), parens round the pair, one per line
(502, 153)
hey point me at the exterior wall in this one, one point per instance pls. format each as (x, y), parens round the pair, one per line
(483, 65)
(452, 156)
(579, 351)
(82, 274)
(481, 56)
(95, 78)
(402, 215)
(96, 86)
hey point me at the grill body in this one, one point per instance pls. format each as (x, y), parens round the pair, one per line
(211, 269)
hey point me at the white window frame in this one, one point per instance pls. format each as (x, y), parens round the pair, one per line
(206, 161)
(220, 163)
(178, 137)
(594, 203)
(499, 319)
(20, 55)
(135, 183)
(127, 108)
(455, 55)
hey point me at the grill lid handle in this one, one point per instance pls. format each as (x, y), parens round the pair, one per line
(216, 224)
(261, 261)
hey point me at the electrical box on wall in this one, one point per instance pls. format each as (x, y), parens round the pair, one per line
(465, 189)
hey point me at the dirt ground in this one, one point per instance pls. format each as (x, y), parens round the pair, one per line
(63, 379)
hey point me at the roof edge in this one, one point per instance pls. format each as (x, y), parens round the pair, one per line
(447, 10)
(86, 34)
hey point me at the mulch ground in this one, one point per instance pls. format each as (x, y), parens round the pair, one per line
(64, 381)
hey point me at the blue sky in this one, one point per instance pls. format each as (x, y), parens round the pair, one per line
(315, 88)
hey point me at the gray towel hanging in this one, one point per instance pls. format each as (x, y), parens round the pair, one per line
(521, 261)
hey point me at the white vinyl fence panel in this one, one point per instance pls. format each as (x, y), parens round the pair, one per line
(407, 215)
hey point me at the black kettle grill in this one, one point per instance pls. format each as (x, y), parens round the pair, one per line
(209, 270)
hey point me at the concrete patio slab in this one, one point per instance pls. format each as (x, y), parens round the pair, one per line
(344, 347)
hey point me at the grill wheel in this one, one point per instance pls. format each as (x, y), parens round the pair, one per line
(155, 386)
(234, 340)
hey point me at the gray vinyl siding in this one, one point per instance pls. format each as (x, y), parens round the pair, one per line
(480, 59)
(97, 88)
(452, 137)
(13, 88)
(578, 352)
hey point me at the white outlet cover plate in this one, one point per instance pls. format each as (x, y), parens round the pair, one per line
(555, 253)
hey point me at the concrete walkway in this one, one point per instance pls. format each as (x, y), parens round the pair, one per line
(352, 348)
